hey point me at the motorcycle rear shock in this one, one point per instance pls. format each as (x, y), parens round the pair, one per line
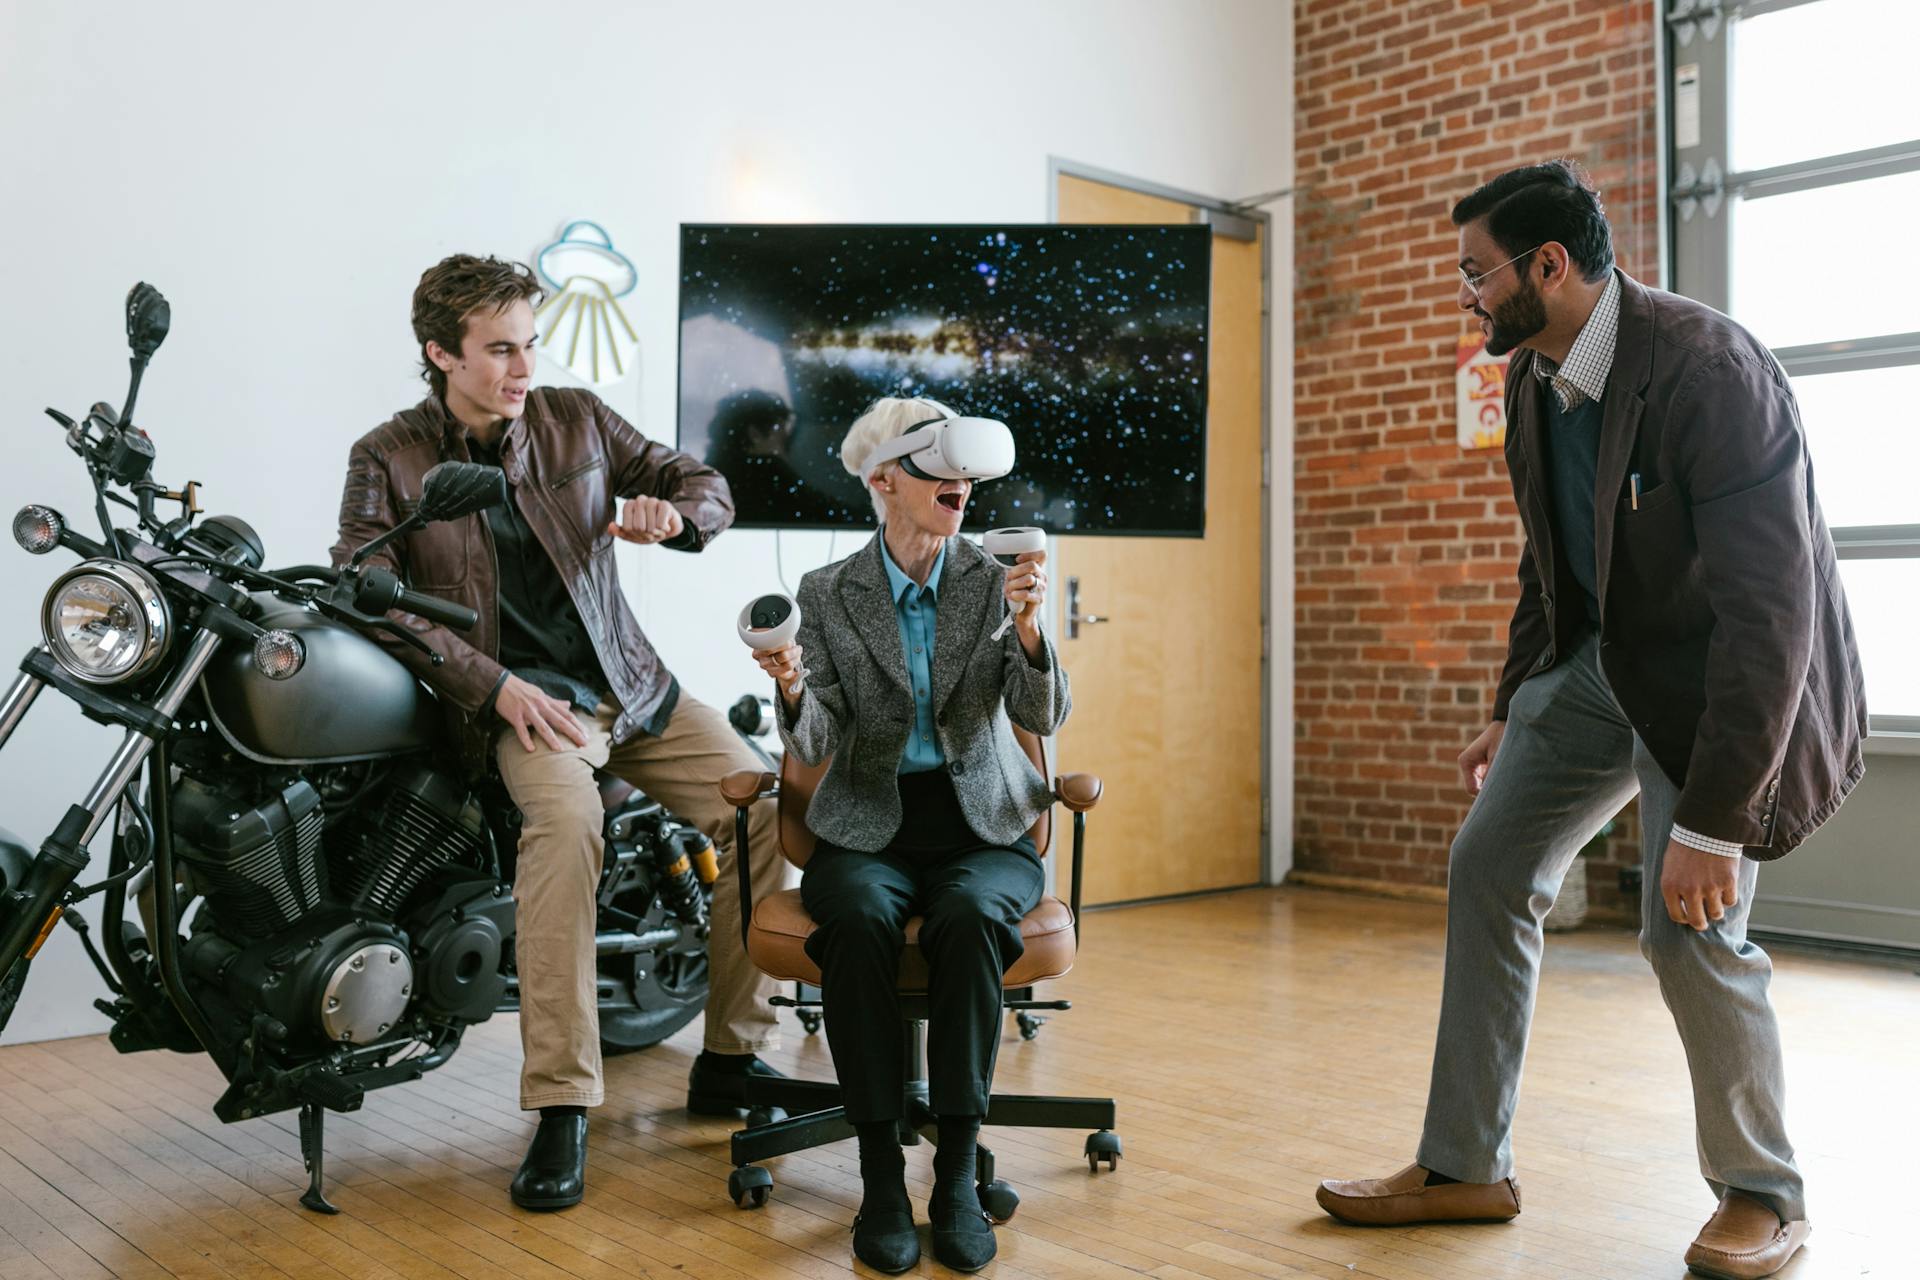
(686, 867)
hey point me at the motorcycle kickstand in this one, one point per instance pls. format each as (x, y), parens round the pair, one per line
(313, 1142)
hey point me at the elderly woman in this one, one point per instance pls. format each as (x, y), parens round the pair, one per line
(923, 811)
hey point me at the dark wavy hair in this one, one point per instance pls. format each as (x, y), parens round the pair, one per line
(453, 289)
(1529, 206)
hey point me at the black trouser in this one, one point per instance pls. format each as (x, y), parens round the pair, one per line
(972, 897)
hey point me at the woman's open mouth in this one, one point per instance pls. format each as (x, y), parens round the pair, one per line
(952, 499)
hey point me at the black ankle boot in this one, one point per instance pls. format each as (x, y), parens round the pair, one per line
(883, 1234)
(962, 1233)
(886, 1241)
(717, 1085)
(554, 1174)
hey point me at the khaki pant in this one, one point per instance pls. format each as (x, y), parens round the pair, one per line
(559, 874)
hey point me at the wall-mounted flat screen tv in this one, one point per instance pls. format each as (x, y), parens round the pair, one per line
(1089, 342)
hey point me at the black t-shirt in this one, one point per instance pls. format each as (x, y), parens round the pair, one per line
(542, 637)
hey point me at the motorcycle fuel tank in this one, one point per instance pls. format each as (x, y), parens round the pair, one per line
(351, 701)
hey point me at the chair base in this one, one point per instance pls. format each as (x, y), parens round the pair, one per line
(798, 1115)
(810, 1009)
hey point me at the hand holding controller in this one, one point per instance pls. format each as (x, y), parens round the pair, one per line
(768, 626)
(1008, 546)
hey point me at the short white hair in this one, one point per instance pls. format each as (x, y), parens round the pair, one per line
(887, 418)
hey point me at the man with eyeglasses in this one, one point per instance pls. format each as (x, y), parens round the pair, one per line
(1682, 634)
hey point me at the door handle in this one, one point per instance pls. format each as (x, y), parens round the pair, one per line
(1077, 619)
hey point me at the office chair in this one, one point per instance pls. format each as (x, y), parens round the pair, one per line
(796, 1115)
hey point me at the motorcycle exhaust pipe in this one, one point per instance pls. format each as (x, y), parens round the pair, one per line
(621, 942)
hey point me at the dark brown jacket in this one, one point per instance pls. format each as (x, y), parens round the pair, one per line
(569, 459)
(1724, 628)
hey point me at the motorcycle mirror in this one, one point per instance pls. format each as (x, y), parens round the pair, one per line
(148, 318)
(447, 492)
(454, 489)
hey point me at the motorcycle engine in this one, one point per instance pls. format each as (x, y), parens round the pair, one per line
(339, 930)
(460, 937)
(253, 848)
(416, 853)
(420, 821)
(336, 977)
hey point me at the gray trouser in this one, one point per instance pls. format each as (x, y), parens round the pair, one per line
(1570, 759)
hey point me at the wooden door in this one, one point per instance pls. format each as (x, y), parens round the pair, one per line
(1167, 694)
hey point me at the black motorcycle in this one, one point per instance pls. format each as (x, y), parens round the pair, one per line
(282, 783)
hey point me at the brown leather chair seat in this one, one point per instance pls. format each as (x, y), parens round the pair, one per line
(781, 927)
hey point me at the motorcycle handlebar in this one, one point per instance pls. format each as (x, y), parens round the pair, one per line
(81, 545)
(444, 612)
(320, 572)
(380, 591)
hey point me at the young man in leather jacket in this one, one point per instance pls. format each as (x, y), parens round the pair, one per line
(557, 680)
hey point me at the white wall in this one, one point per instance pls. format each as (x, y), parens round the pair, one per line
(284, 174)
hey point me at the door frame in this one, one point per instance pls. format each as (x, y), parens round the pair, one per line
(1276, 544)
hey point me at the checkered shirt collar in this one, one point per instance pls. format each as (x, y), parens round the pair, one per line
(1582, 376)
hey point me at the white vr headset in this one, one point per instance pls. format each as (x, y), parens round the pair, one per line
(950, 448)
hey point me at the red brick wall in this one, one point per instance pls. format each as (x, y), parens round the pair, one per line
(1406, 545)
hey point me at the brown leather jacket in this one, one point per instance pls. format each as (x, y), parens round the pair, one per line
(568, 459)
(1724, 626)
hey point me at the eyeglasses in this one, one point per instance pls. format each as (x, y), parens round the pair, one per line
(1475, 281)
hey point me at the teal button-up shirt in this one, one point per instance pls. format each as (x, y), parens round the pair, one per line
(914, 607)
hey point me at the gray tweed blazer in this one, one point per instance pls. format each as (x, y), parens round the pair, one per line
(857, 706)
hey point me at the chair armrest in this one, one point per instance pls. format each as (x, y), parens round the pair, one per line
(743, 786)
(1078, 791)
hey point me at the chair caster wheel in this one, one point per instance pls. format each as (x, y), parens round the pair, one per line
(1104, 1145)
(812, 1020)
(999, 1201)
(1029, 1025)
(750, 1186)
(764, 1115)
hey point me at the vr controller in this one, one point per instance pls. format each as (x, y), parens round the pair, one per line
(1007, 546)
(771, 622)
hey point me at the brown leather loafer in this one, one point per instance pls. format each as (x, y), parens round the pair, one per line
(1406, 1198)
(1745, 1240)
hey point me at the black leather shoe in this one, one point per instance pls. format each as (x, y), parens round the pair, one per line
(886, 1241)
(554, 1174)
(716, 1091)
(964, 1241)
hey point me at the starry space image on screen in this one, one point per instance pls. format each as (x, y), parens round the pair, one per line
(1089, 342)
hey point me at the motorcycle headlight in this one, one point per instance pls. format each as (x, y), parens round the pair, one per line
(106, 622)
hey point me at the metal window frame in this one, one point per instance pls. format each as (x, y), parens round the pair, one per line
(1699, 195)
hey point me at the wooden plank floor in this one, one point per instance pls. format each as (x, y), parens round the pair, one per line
(1256, 1042)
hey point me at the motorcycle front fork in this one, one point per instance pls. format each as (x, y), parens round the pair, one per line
(29, 910)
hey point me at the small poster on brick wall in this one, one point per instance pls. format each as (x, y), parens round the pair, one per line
(1480, 393)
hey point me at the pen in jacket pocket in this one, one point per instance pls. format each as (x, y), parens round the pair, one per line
(1634, 484)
